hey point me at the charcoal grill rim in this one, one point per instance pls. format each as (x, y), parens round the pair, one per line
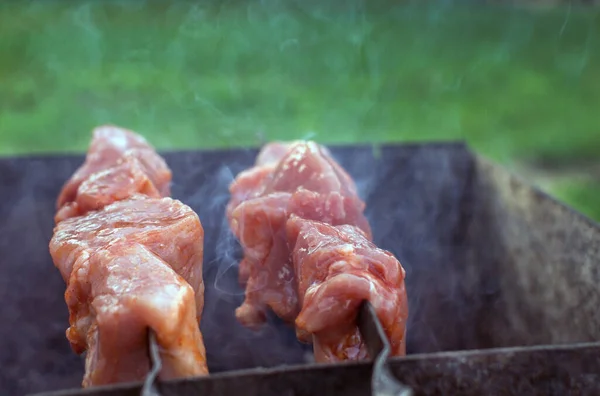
(392, 362)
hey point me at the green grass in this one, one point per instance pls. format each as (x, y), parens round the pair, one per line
(582, 196)
(515, 83)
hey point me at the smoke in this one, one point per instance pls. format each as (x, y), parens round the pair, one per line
(201, 180)
(227, 247)
(212, 195)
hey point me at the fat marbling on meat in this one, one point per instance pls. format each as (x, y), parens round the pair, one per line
(294, 178)
(119, 163)
(308, 253)
(131, 289)
(167, 227)
(132, 261)
(337, 268)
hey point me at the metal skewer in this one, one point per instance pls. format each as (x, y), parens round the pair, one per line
(149, 388)
(383, 382)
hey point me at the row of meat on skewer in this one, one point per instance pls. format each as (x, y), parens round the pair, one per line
(132, 256)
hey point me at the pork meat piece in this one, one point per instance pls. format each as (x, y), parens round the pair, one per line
(251, 183)
(305, 181)
(119, 164)
(124, 291)
(273, 152)
(166, 227)
(270, 279)
(337, 268)
(113, 184)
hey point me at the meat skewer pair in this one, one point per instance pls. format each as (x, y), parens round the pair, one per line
(132, 260)
(308, 253)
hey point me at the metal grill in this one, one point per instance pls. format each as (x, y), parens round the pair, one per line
(502, 282)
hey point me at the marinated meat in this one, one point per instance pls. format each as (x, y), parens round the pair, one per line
(337, 268)
(270, 278)
(119, 163)
(167, 227)
(308, 253)
(132, 261)
(294, 178)
(129, 289)
(251, 182)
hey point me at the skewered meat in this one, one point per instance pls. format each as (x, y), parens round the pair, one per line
(308, 253)
(305, 181)
(337, 268)
(132, 261)
(131, 290)
(250, 183)
(119, 163)
(167, 227)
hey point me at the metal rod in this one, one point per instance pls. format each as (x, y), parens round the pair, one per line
(383, 382)
(149, 388)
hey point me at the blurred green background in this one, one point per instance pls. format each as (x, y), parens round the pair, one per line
(520, 84)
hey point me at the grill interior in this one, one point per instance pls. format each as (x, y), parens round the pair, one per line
(490, 263)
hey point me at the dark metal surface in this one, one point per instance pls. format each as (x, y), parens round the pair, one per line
(490, 262)
(540, 263)
(544, 371)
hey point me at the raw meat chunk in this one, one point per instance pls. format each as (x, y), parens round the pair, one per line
(337, 268)
(128, 290)
(132, 261)
(167, 227)
(294, 178)
(119, 163)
